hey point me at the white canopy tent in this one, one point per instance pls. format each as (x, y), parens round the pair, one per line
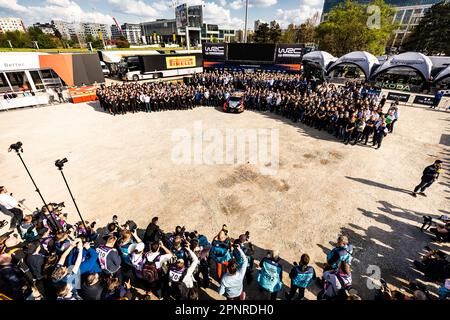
(321, 59)
(414, 60)
(362, 59)
(443, 74)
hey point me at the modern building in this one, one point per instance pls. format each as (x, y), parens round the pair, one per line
(45, 28)
(167, 30)
(11, 24)
(62, 27)
(408, 14)
(97, 30)
(132, 32)
(257, 24)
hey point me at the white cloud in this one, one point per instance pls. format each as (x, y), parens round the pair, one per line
(306, 9)
(239, 4)
(213, 13)
(12, 5)
(134, 7)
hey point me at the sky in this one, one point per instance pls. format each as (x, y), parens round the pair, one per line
(227, 13)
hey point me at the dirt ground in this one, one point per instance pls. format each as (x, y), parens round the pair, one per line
(122, 165)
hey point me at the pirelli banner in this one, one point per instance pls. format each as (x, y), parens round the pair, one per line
(215, 51)
(180, 62)
(289, 53)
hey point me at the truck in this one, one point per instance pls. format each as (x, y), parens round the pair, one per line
(154, 66)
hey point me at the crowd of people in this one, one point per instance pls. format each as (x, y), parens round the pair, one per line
(43, 256)
(353, 113)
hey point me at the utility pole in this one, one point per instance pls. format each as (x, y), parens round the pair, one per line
(245, 26)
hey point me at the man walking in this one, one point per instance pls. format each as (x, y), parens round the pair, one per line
(429, 175)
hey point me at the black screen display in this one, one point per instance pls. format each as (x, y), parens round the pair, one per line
(251, 52)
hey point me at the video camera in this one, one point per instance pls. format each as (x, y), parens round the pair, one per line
(17, 147)
(60, 163)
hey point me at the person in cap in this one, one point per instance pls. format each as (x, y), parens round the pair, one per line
(430, 174)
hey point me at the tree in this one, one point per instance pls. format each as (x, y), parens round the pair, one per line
(306, 33)
(274, 32)
(262, 35)
(18, 39)
(122, 42)
(290, 34)
(432, 35)
(352, 27)
(96, 43)
(44, 41)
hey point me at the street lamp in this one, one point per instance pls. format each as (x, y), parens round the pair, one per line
(36, 44)
(245, 26)
(9, 42)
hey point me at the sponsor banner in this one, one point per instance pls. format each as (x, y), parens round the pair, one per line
(425, 100)
(10, 62)
(402, 97)
(394, 86)
(180, 62)
(288, 53)
(214, 51)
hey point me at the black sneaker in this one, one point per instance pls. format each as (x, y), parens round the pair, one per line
(422, 194)
(414, 194)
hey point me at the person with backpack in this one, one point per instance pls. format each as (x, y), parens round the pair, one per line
(342, 252)
(221, 252)
(302, 275)
(337, 283)
(181, 277)
(152, 270)
(270, 276)
(231, 284)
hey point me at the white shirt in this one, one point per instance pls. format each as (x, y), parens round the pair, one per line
(7, 201)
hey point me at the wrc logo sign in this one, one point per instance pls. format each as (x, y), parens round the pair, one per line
(290, 52)
(219, 50)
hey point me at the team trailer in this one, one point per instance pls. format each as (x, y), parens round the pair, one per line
(141, 67)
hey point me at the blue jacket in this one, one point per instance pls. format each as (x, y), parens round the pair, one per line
(270, 275)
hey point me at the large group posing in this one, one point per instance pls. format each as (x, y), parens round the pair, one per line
(353, 113)
(43, 256)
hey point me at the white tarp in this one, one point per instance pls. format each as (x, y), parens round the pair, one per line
(115, 56)
(11, 61)
(320, 58)
(414, 60)
(364, 60)
(443, 74)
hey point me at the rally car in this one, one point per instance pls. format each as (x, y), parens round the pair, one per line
(235, 103)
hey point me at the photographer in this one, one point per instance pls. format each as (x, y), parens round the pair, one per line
(231, 284)
(301, 276)
(270, 275)
(109, 258)
(153, 233)
(220, 251)
(12, 207)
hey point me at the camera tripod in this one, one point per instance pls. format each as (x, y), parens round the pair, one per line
(17, 147)
(60, 165)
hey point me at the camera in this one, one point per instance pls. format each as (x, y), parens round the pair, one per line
(60, 163)
(16, 147)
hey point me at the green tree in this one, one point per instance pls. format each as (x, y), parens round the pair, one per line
(290, 34)
(352, 27)
(275, 32)
(432, 35)
(262, 35)
(44, 41)
(306, 33)
(18, 39)
(96, 42)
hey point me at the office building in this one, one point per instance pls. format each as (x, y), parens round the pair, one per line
(45, 28)
(11, 24)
